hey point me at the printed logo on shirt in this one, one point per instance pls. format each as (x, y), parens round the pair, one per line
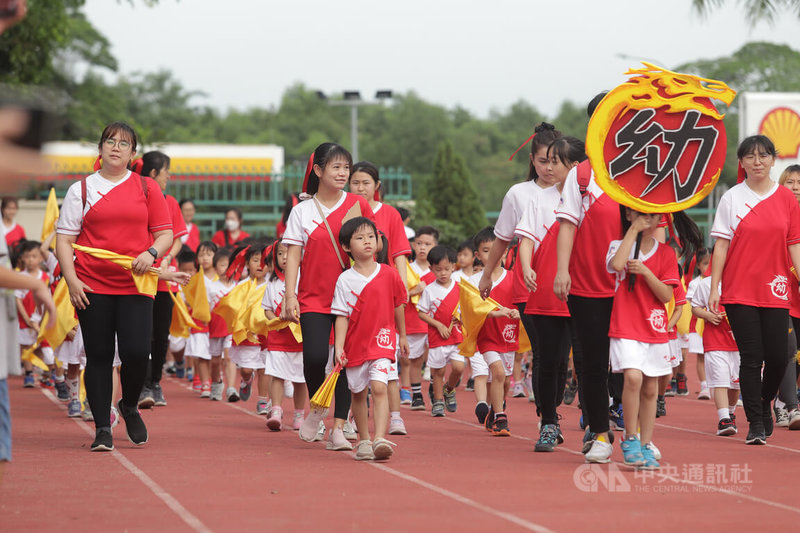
(510, 333)
(658, 320)
(779, 287)
(384, 339)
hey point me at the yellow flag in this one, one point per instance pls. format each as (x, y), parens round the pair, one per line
(276, 324)
(233, 303)
(145, 283)
(253, 317)
(50, 217)
(474, 310)
(413, 281)
(196, 297)
(65, 317)
(182, 321)
(524, 340)
(29, 356)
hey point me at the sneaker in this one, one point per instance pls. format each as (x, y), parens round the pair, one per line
(570, 392)
(74, 409)
(397, 427)
(438, 408)
(632, 451)
(158, 395)
(616, 419)
(739, 402)
(274, 422)
(205, 390)
(470, 385)
(450, 400)
(62, 393)
(417, 403)
(288, 389)
(262, 407)
(756, 435)
(673, 388)
(308, 431)
(297, 421)
(29, 381)
(500, 426)
(180, 370)
(650, 462)
(134, 425)
(86, 414)
(559, 435)
(518, 391)
(794, 420)
(405, 397)
(683, 385)
(232, 395)
(781, 417)
(246, 388)
(733, 421)
(487, 423)
(114, 417)
(190, 374)
(766, 415)
(726, 428)
(589, 437)
(216, 391)
(103, 441)
(337, 442)
(146, 400)
(704, 394)
(531, 396)
(661, 407)
(481, 410)
(600, 452)
(197, 385)
(169, 369)
(46, 382)
(364, 451)
(349, 431)
(654, 449)
(382, 449)
(320, 432)
(547, 439)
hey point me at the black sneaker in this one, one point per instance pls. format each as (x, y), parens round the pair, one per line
(62, 393)
(158, 395)
(548, 437)
(417, 403)
(661, 407)
(470, 385)
(481, 411)
(756, 435)
(146, 400)
(103, 442)
(733, 421)
(487, 423)
(766, 414)
(726, 428)
(570, 392)
(134, 425)
(683, 385)
(500, 426)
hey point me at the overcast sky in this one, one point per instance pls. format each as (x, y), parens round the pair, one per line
(481, 55)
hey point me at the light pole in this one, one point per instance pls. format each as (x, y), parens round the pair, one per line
(353, 100)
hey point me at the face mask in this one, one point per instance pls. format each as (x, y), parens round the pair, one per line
(231, 225)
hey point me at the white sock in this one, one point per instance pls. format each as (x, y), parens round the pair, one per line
(59, 379)
(395, 415)
(732, 409)
(704, 384)
(74, 386)
(723, 413)
(779, 404)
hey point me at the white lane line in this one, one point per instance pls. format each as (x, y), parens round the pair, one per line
(191, 520)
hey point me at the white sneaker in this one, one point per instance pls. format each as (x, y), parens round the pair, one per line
(288, 389)
(781, 417)
(349, 431)
(518, 391)
(337, 442)
(382, 449)
(794, 419)
(704, 394)
(320, 432)
(364, 452)
(656, 451)
(397, 427)
(600, 452)
(308, 431)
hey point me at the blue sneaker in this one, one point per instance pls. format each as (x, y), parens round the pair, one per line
(450, 400)
(190, 374)
(74, 409)
(548, 437)
(405, 397)
(616, 420)
(61, 391)
(29, 381)
(632, 451)
(180, 370)
(650, 462)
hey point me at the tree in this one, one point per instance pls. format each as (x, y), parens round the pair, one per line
(755, 10)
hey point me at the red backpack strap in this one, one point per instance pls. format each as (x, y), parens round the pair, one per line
(584, 177)
(83, 195)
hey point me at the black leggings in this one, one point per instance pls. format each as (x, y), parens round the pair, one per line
(130, 319)
(162, 318)
(554, 335)
(788, 388)
(591, 318)
(316, 328)
(761, 336)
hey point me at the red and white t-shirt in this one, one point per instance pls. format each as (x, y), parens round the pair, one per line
(678, 301)
(13, 234)
(759, 229)
(388, 220)
(638, 315)
(178, 231)
(499, 334)
(690, 291)
(118, 218)
(715, 338)
(598, 220)
(281, 340)
(439, 302)
(540, 225)
(35, 312)
(369, 302)
(413, 323)
(192, 237)
(320, 267)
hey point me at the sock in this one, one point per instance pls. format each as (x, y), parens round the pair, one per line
(59, 379)
(28, 372)
(723, 413)
(74, 389)
(602, 437)
(448, 388)
(298, 413)
(732, 409)
(660, 398)
(263, 398)
(779, 404)
(416, 388)
(394, 415)
(704, 384)
(407, 389)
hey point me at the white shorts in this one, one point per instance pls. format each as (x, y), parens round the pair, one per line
(48, 355)
(228, 342)
(27, 336)
(722, 370)
(507, 358)
(358, 377)
(478, 365)
(675, 353)
(285, 365)
(71, 352)
(652, 359)
(695, 343)
(417, 342)
(216, 345)
(198, 346)
(176, 344)
(246, 356)
(441, 355)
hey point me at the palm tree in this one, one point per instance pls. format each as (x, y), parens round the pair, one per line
(755, 10)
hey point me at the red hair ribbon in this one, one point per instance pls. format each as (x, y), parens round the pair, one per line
(687, 276)
(708, 269)
(265, 254)
(521, 146)
(137, 165)
(377, 195)
(98, 164)
(236, 267)
(740, 174)
(309, 169)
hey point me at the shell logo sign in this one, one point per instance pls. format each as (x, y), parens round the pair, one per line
(782, 126)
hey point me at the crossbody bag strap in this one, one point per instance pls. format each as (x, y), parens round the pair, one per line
(330, 233)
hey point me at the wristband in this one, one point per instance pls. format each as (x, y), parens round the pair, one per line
(152, 251)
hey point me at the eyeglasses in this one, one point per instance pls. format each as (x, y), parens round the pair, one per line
(124, 145)
(750, 158)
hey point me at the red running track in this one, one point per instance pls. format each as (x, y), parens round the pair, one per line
(214, 467)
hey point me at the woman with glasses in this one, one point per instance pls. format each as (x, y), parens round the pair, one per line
(120, 211)
(757, 227)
